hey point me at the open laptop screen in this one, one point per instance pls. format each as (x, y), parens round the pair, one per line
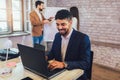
(39, 46)
(34, 60)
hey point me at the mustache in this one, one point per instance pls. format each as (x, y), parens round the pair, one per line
(61, 29)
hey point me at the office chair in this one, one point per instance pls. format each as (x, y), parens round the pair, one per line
(89, 72)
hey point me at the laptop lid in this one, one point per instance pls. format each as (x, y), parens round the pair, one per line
(33, 60)
(39, 46)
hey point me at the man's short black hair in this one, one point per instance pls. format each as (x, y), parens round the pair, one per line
(63, 14)
(38, 3)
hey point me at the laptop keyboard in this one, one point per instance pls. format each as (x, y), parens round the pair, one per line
(55, 72)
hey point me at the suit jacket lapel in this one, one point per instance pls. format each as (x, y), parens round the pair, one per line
(58, 47)
(43, 18)
(36, 16)
(70, 42)
(59, 44)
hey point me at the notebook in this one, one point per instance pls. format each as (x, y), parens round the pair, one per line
(34, 60)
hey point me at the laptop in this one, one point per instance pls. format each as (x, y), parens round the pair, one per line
(39, 46)
(34, 60)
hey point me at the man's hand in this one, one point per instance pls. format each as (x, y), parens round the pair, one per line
(51, 18)
(46, 21)
(56, 64)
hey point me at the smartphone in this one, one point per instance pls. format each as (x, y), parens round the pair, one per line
(27, 78)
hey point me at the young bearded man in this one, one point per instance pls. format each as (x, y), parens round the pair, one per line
(37, 20)
(70, 49)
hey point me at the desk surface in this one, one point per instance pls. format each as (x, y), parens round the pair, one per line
(18, 72)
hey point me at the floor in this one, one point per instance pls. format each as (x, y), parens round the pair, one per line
(103, 73)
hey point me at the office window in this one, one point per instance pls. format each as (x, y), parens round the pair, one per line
(10, 16)
(28, 8)
(17, 15)
(3, 17)
(14, 15)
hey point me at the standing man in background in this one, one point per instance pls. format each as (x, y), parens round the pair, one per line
(38, 21)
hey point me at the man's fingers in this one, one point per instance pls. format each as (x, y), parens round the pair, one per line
(52, 65)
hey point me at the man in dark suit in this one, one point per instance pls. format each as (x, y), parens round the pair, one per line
(70, 49)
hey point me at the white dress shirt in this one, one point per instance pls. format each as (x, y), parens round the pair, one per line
(74, 23)
(65, 41)
(38, 13)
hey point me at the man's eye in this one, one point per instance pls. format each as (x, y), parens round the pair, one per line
(57, 24)
(63, 24)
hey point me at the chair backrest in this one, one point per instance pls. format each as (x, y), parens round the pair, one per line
(89, 72)
(2, 42)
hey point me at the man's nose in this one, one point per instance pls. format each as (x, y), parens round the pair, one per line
(59, 27)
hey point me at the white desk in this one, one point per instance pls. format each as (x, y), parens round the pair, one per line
(19, 72)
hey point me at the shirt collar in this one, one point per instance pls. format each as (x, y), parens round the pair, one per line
(68, 36)
(38, 11)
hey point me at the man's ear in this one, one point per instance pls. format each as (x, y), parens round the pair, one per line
(70, 22)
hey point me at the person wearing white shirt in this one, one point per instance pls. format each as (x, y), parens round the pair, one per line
(75, 20)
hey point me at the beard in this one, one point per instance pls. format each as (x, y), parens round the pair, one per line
(63, 32)
(41, 9)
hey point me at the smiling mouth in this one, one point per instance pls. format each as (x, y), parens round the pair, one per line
(61, 30)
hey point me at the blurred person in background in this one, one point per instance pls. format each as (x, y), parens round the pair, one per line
(75, 20)
(37, 21)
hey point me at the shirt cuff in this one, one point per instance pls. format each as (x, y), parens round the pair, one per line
(65, 64)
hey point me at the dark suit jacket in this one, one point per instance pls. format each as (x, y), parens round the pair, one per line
(78, 51)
